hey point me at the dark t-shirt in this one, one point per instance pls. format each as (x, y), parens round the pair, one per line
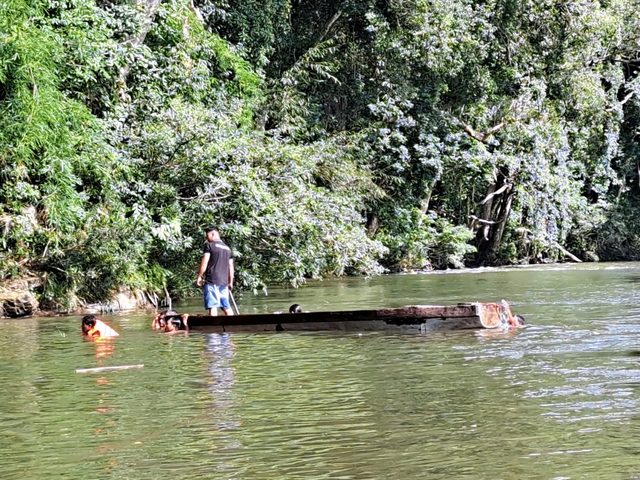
(218, 266)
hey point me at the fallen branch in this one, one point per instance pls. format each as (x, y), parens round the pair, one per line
(105, 369)
(568, 254)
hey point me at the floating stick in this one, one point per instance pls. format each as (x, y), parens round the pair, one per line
(104, 369)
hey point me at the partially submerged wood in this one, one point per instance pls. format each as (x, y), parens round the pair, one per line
(412, 318)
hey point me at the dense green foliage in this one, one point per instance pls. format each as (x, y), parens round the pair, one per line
(324, 137)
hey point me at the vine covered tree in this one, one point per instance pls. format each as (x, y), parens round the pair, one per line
(325, 138)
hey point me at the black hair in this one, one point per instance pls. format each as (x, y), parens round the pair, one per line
(89, 320)
(295, 308)
(210, 228)
(520, 319)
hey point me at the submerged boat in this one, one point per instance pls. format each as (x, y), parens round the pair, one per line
(412, 318)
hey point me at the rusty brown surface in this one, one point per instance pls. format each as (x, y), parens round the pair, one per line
(412, 317)
(490, 315)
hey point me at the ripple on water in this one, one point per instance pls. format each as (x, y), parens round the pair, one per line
(557, 399)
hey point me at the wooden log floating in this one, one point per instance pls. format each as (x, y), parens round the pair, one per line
(106, 369)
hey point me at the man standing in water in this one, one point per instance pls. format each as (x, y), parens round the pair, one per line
(216, 273)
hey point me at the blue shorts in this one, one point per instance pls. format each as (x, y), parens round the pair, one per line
(216, 296)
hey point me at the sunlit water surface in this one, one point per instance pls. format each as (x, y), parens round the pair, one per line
(557, 399)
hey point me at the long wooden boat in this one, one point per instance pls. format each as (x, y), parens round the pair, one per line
(412, 318)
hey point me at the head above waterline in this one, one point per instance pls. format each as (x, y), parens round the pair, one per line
(174, 325)
(88, 322)
(295, 308)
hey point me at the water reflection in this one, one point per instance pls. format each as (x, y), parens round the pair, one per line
(220, 351)
(103, 347)
(559, 398)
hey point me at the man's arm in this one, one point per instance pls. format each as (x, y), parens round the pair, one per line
(231, 272)
(203, 268)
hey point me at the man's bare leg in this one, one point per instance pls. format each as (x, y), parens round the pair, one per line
(227, 311)
(213, 312)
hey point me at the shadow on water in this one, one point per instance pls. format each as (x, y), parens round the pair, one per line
(635, 279)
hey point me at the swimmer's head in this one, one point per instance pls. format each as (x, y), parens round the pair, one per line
(88, 322)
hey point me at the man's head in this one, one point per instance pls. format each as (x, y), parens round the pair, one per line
(173, 325)
(212, 232)
(161, 321)
(88, 322)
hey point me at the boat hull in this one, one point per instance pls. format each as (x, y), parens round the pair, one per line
(412, 318)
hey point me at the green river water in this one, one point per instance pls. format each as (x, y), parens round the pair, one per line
(558, 399)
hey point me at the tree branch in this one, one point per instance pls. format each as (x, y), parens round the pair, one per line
(150, 7)
(196, 12)
(568, 254)
(493, 194)
(482, 221)
(328, 26)
(627, 98)
(479, 136)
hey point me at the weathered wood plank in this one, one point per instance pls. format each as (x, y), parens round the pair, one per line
(417, 318)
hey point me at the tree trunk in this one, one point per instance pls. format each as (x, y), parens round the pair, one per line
(497, 231)
(149, 7)
(485, 213)
(492, 218)
(372, 224)
(424, 205)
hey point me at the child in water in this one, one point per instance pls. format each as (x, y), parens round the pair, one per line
(513, 321)
(171, 325)
(93, 327)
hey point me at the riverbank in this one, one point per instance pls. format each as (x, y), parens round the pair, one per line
(125, 300)
(19, 299)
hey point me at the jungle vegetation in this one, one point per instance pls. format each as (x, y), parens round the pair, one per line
(323, 137)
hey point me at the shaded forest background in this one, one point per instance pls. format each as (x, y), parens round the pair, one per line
(323, 137)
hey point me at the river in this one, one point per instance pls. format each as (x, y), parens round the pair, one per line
(558, 399)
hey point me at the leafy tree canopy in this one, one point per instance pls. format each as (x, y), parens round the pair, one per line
(326, 138)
